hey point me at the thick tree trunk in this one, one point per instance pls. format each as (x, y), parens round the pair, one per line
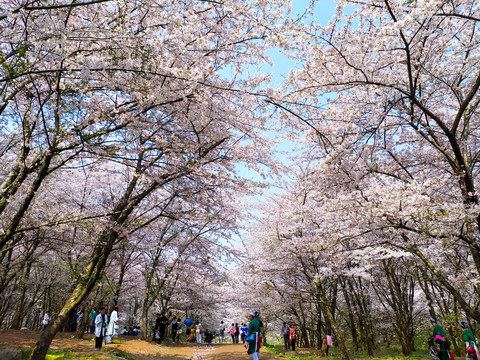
(90, 275)
(48, 335)
(319, 330)
(143, 335)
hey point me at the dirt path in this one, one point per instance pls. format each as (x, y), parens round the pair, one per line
(233, 352)
(136, 348)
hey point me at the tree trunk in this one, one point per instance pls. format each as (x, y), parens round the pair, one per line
(338, 335)
(48, 335)
(330, 319)
(350, 317)
(83, 326)
(19, 311)
(143, 335)
(319, 330)
(90, 275)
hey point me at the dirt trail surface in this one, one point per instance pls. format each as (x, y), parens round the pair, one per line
(134, 347)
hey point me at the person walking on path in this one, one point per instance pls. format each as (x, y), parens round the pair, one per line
(292, 335)
(470, 345)
(244, 331)
(112, 328)
(156, 330)
(93, 316)
(222, 332)
(174, 328)
(284, 333)
(254, 335)
(198, 331)
(439, 340)
(73, 321)
(46, 319)
(237, 333)
(233, 329)
(188, 329)
(163, 326)
(100, 326)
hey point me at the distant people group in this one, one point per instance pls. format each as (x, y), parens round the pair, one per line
(196, 333)
(128, 331)
(104, 327)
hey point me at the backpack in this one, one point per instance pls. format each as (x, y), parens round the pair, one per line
(447, 343)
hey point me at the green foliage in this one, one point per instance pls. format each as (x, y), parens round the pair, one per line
(61, 354)
(122, 354)
(54, 357)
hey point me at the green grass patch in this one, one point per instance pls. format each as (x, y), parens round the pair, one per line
(61, 354)
(120, 341)
(122, 354)
(393, 352)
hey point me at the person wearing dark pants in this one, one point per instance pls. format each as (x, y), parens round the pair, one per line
(233, 329)
(284, 333)
(292, 335)
(237, 333)
(174, 328)
(93, 316)
(163, 326)
(156, 334)
(100, 327)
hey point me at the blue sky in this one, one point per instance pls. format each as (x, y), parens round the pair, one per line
(324, 10)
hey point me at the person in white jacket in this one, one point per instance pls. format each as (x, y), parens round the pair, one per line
(199, 331)
(112, 328)
(46, 320)
(100, 326)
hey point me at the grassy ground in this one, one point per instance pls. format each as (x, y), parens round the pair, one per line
(392, 352)
(63, 354)
(18, 344)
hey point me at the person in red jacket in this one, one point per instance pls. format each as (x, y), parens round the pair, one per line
(292, 335)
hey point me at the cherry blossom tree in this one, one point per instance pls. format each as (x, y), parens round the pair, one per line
(389, 98)
(129, 93)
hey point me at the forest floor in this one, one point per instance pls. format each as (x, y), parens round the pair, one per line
(17, 345)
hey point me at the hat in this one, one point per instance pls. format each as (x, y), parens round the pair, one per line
(463, 324)
(252, 313)
(292, 324)
(432, 319)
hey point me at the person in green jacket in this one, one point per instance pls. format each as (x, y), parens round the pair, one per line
(469, 339)
(254, 335)
(439, 340)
